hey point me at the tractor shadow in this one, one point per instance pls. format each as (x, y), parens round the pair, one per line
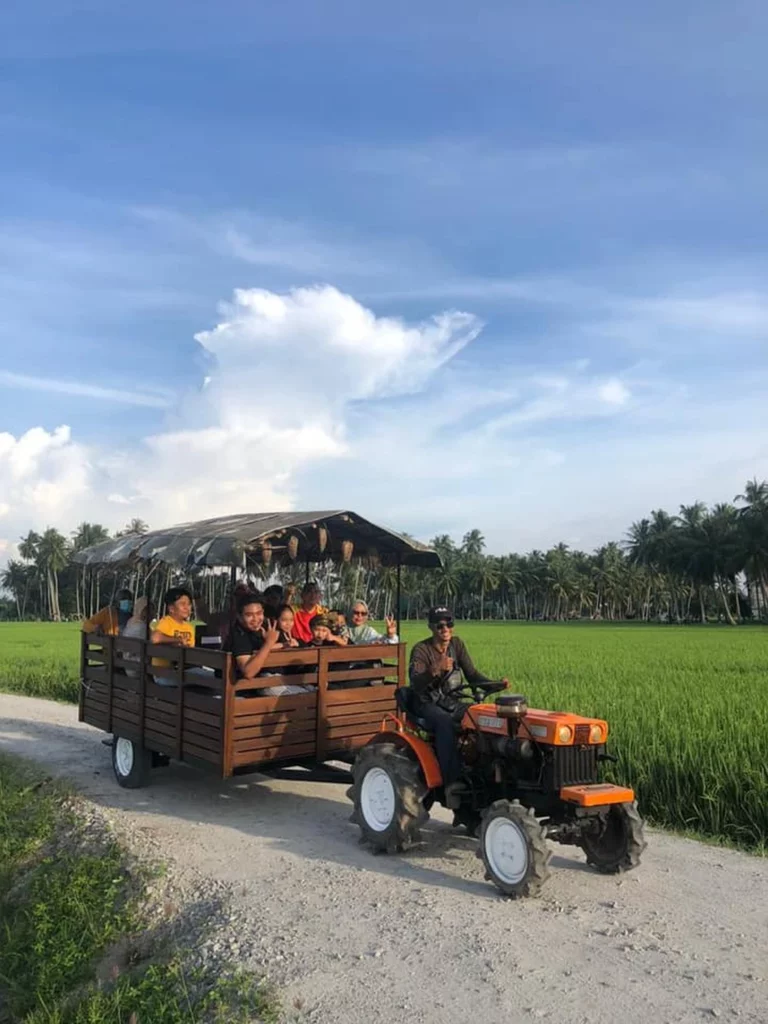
(309, 820)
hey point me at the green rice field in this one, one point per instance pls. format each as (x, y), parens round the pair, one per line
(687, 706)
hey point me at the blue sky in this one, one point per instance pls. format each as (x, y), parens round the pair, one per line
(586, 183)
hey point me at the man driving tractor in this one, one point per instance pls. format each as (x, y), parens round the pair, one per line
(435, 673)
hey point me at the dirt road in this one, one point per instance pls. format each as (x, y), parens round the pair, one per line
(350, 937)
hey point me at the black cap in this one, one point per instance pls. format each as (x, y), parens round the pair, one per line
(438, 614)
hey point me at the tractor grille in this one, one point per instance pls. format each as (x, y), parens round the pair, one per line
(573, 766)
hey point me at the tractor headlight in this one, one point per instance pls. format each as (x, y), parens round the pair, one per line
(564, 734)
(596, 734)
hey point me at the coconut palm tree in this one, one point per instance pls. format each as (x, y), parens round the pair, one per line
(15, 579)
(52, 557)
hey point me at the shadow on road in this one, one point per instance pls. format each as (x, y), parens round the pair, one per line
(312, 824)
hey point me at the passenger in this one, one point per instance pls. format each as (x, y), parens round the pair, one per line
(275, 598)
(285, 628)
(252, 645)
(322, 633)
(110, 621)
(174, 629)
(435, 673)
(362, 632)
(136, 629)
(310, 607)
(338, 623)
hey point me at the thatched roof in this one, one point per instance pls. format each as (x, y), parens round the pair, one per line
(263, 537)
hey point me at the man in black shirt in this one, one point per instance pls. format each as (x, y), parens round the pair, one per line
(435, 673)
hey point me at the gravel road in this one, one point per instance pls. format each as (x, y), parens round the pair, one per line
(348, 937)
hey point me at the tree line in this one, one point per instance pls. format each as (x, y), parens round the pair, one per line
(699, 564)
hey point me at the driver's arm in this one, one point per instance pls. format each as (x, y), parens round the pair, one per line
(471, 674)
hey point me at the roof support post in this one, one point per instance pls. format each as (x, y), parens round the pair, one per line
(397, 596)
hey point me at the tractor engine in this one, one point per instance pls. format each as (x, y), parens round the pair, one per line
(530, 749)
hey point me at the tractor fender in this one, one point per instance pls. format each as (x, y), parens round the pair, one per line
(425, 755)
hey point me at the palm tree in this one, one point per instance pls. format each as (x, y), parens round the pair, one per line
(52, 557)
(473, 543)
(15, 579)
(486, 577)
(753, 527)
(135, 526)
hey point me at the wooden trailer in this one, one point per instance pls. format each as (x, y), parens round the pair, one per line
(197, 710)
(223, 724)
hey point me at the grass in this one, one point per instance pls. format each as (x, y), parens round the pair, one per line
(686, 706)
(67, 898)
(40, 659)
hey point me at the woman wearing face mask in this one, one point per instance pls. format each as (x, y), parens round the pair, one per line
(111, 620)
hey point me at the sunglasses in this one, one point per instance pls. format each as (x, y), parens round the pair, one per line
(444, 624)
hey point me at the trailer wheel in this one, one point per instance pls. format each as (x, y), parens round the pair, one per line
(619, 843)
(388, 794)
(514, 849)
(131, 763)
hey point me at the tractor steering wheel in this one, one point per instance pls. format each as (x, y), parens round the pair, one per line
(481, 690)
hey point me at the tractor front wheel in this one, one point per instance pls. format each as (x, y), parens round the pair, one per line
(618, 843)
(514, 849)
(388, 794)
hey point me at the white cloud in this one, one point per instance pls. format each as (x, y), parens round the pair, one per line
(286, 371)
(80, 389)
(613, 392)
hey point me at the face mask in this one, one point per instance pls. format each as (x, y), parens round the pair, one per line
(125, 606)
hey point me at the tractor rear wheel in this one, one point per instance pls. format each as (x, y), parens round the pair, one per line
(619, 843)
(388, 794)
(514, 849)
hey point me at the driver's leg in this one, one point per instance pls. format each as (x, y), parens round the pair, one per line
(441, 724)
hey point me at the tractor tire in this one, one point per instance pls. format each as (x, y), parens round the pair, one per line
(388, 794)
(513, 848)
(620, 844)
(131, 763)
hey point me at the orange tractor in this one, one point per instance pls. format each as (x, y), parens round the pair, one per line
(530, 776)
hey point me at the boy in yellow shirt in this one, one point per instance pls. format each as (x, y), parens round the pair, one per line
(174, 628)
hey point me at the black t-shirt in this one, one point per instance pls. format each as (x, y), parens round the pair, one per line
(245, 642)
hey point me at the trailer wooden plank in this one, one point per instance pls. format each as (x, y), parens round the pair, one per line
(364, 718)
(259, 705)
(274, 717)
(361, 694)
(276, 729)
(161, 727)
(95, 674)
(377, 707)
(212, 718)
(287, 752)
(197, 729)
(202, 702)
(201, 753)
(342, 731)
(290, 736)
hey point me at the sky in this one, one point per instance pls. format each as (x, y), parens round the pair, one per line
(448, 267)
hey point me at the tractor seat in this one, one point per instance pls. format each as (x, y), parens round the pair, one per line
(404, 697)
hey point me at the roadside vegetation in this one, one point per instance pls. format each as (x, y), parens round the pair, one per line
(80, 941)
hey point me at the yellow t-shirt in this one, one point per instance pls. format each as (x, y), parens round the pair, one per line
(105, 619)
(170, 627)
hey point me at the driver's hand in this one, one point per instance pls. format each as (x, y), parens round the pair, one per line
(506, 683)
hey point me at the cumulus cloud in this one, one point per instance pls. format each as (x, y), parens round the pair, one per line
(285, 369)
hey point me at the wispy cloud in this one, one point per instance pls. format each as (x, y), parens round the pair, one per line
(78, 389)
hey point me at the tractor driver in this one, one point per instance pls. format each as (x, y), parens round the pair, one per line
(435, 673)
